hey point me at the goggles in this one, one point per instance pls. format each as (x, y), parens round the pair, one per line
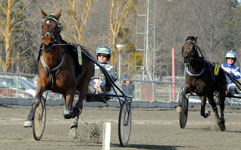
(101, 54)
(230, 58)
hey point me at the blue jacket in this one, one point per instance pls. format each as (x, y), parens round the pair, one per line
(234, 70)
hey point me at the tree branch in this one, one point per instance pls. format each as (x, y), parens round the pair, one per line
(3, 9)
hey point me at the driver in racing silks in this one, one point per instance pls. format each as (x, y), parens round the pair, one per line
(229, 67)
(99, 84)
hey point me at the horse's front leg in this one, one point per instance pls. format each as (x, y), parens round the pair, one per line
(68, 111)
(35, 101)
(203, 105)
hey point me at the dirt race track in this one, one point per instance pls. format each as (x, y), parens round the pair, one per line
(152, 129)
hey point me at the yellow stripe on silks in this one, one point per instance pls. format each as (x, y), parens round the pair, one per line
(216, 69)
(79, 55)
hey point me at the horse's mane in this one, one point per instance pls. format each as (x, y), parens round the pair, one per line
(191, 38)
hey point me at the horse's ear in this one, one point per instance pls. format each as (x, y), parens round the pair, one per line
(58, 14)
(196, 38)
(43, 13)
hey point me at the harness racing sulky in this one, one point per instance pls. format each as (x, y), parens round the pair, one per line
(62, 70)
(202, 81)
(206, 80)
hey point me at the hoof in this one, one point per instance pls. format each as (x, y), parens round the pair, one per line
(179, 109)
(68, 116)
(28, 123)
(207, 113)
(76, 111)
(72, 114)
(221, 125)
(73, 133)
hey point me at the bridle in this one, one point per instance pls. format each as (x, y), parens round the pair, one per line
(187, 49)
(49, 19)
(191, 52)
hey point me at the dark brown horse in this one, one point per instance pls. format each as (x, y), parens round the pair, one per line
(59, 70)
(201, 80)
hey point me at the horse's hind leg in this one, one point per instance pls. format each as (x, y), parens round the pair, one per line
(83, 89)
(74, 125)
(222, 106)
(73, 128)
(203, 105)
(77, 111)
(220, 121)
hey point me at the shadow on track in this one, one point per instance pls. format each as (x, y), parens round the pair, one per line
(149, 147)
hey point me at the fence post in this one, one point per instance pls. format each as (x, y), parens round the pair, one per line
(173, 75)
(170, 92)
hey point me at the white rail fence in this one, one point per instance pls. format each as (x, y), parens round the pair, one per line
(13, 85)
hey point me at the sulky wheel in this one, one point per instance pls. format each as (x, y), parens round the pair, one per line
(124, 126)
(183, 115)
(39, 120)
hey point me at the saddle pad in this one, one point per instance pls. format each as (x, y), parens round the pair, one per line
(216, 69)
(79, 55)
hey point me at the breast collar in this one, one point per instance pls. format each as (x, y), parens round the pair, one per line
(201, 72)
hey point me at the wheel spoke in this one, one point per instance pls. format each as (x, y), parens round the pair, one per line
(124, 124)
(39, 120)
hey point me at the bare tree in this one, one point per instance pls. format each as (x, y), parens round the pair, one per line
(12, 23)
(121, 13)
(79, 22)
(210, 18)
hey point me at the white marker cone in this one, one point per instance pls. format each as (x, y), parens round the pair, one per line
(106, 136)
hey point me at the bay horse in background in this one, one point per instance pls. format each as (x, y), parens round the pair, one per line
(59, 70)
(201, 80)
